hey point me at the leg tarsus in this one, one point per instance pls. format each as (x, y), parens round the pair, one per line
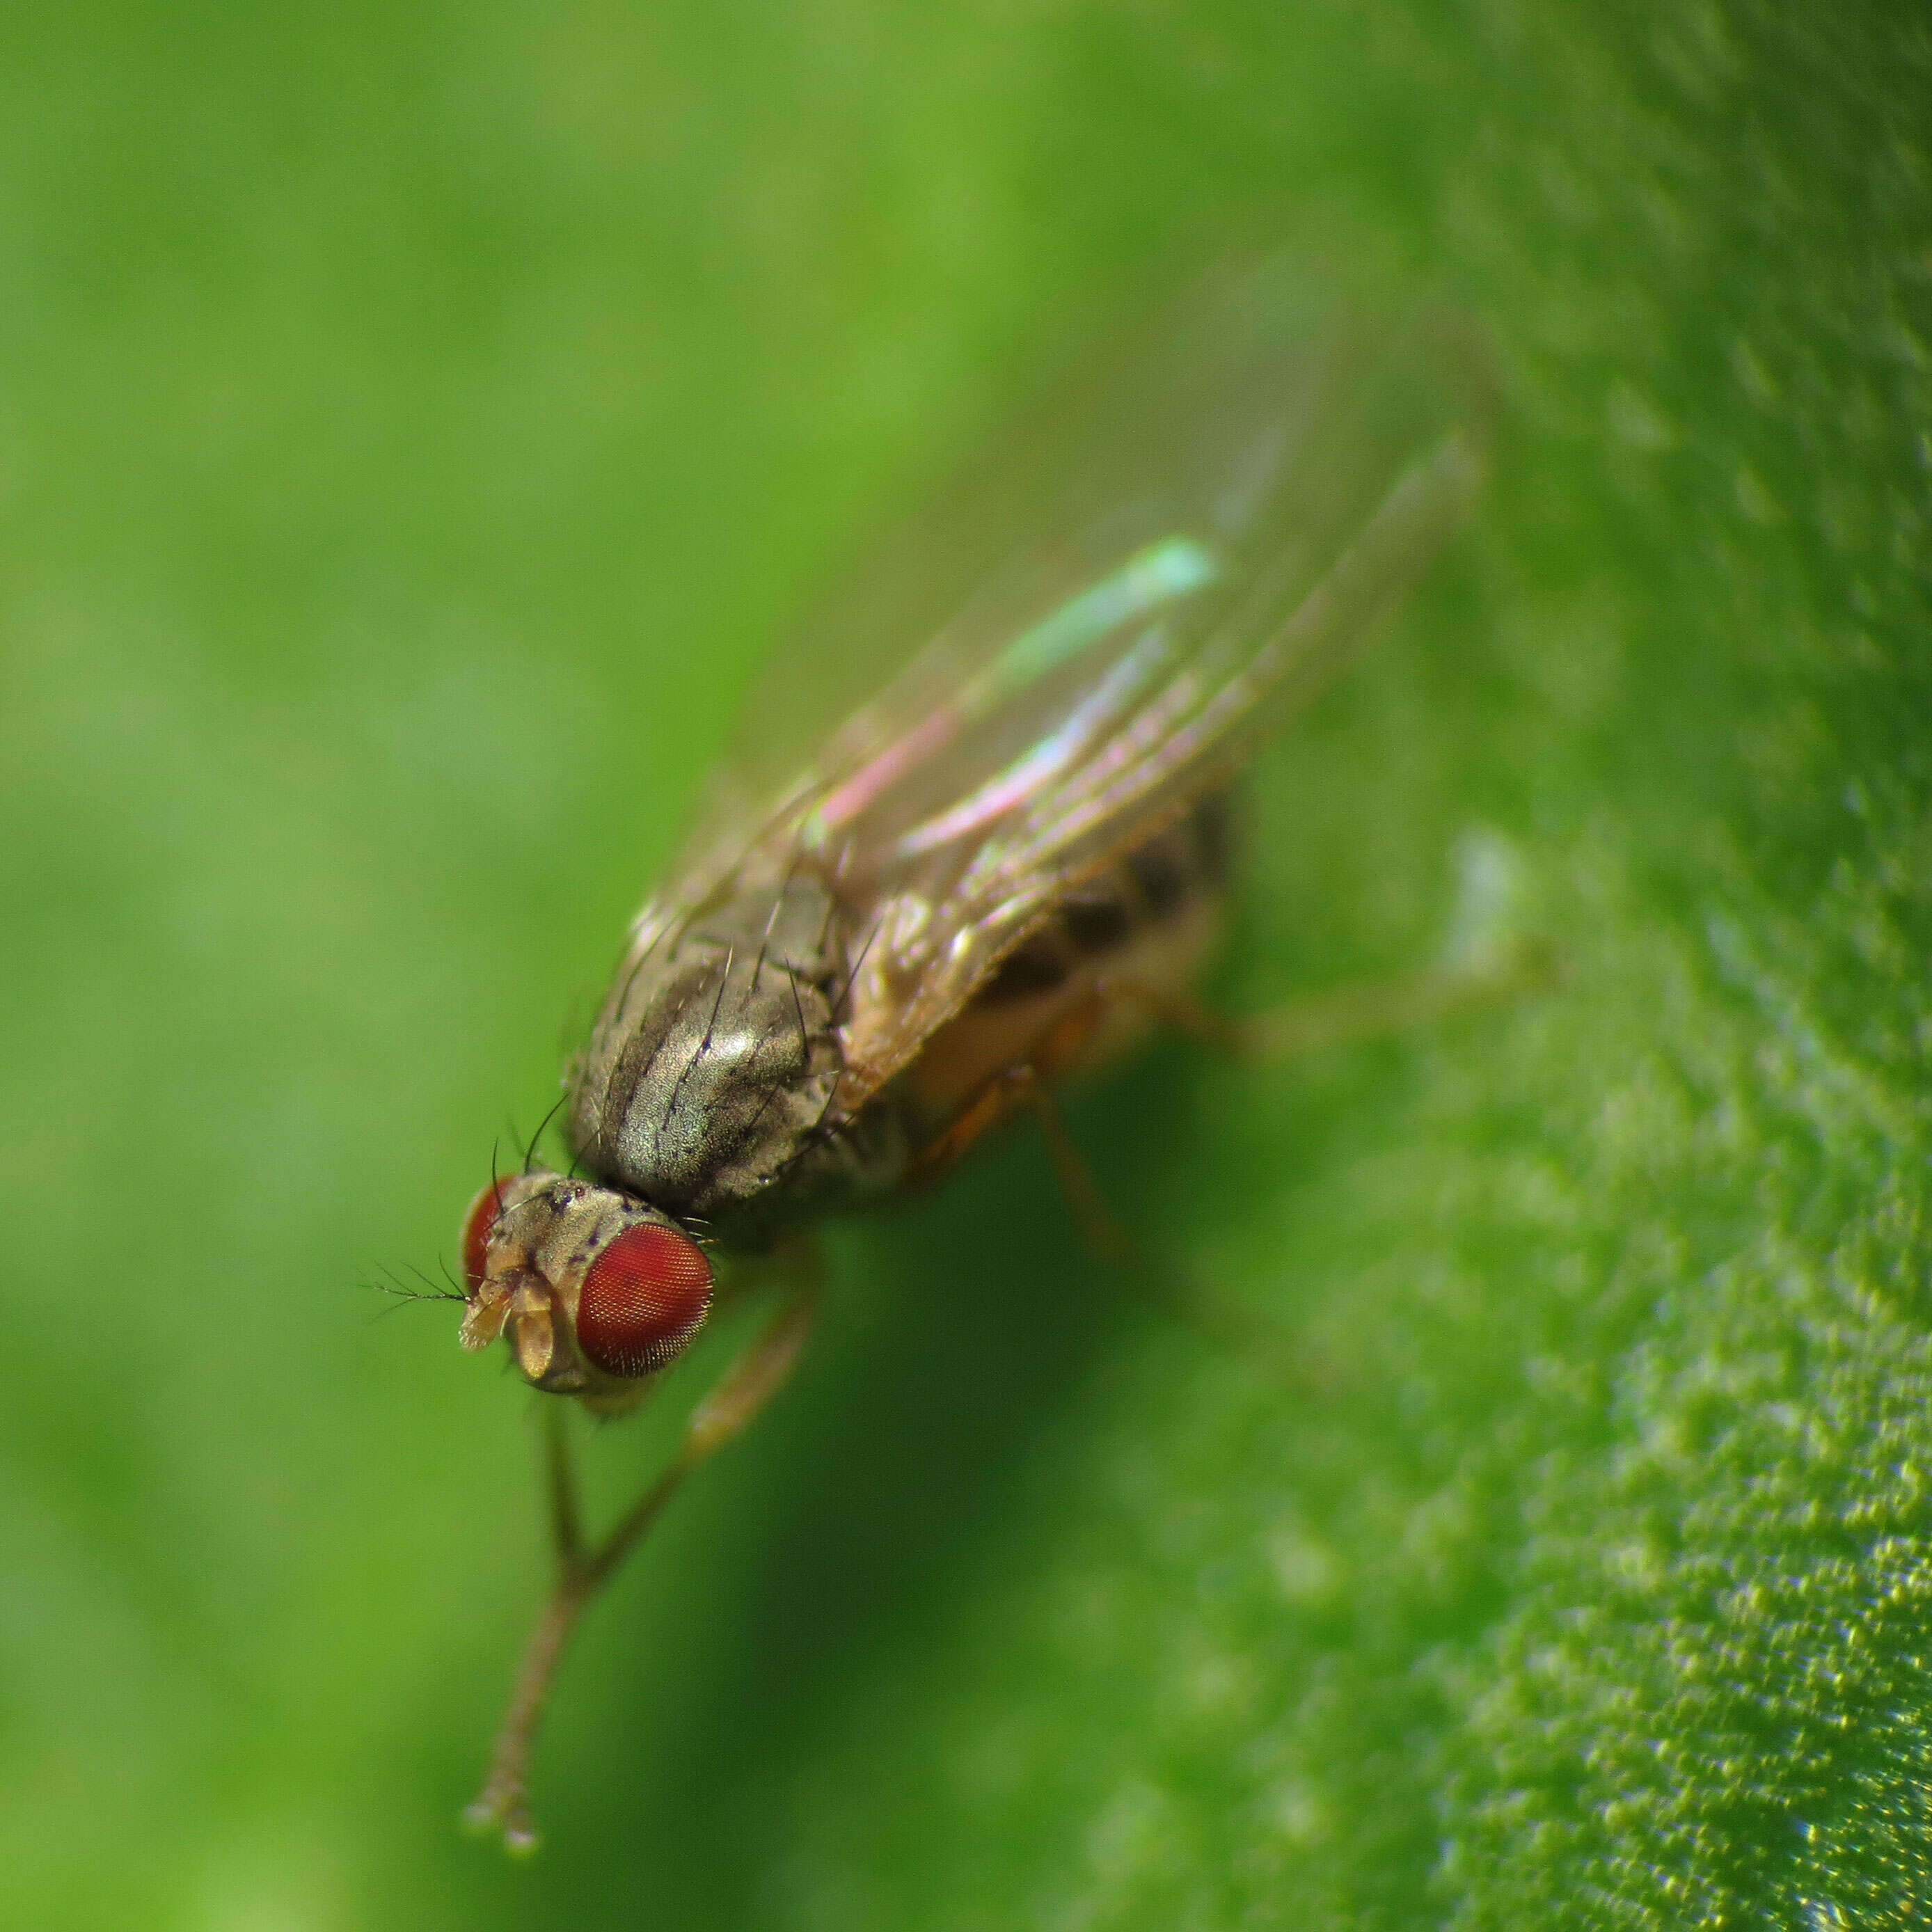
(503, 1804)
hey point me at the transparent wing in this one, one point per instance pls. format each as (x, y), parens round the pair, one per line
(1093, 624)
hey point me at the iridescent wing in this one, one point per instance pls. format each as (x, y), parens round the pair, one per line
(1093, 624)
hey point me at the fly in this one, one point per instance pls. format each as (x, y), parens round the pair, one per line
(985, 849)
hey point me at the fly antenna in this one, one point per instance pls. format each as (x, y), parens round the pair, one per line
(435, 1291)
(386, 1282)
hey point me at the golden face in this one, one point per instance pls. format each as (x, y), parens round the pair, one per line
(594, 1291)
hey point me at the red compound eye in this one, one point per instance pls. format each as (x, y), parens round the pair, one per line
(476, 1226)
(645, 1297)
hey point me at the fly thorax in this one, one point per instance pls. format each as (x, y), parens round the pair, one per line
(712, 1070)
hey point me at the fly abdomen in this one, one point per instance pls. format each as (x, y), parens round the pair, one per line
(713, 1065)
(1154, 885)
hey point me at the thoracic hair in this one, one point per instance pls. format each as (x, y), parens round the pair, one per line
(710, 1076)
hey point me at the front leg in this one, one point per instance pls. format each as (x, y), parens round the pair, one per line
(734, 1402)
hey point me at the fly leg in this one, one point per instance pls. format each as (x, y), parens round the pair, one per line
(1028, 1086)
(584, 1567)
(1394, 1005)
(1178, 1293)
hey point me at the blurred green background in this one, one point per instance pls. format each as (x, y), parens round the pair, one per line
(414, 422)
